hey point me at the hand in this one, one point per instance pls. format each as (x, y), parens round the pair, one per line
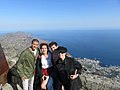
(74, 76)
(63, 87)
(44, 82)
(44, 77)
(24, 77)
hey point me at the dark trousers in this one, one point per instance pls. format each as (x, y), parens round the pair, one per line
(75, 84)
(14, 86)
(37, 82)
(56, 83)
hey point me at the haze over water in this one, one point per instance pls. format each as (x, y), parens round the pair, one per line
(103, 45)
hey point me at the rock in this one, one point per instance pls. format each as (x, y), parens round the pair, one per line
(94, 76)
(14, 43)
(101, 78)
(7, 87)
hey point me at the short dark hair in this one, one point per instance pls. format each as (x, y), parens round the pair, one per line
(53, 43)
(42, 44)
(35, 40)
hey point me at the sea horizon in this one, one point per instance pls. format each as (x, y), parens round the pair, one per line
(102, 45)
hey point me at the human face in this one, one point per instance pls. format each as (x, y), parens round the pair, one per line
(53, 47)
(35, 45)
(44, 49)
(62, 55)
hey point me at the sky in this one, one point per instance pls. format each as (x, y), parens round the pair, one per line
(59, 14)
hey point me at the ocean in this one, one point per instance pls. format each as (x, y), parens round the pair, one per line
(102, 45)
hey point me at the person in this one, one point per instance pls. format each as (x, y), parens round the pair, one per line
(45, 65)
(26, 64)
(55, 48)
(53, 45)
(68, 70)
(13, 78)
(55, 51)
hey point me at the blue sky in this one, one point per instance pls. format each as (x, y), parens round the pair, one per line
(59, 14)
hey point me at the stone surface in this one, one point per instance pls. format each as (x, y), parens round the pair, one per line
(94, 76)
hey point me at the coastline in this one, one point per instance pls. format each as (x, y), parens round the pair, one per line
(93, 74)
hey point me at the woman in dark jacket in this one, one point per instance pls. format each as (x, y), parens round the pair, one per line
(68, 70)
(44, 67)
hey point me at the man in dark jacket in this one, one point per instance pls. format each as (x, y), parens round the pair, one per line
(55, 51)
(68, 70)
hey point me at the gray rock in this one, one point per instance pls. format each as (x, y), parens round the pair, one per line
(94, 76)
(99, 78)
(14, 43)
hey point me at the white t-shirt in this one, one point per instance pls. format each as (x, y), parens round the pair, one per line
(34, 52)
(46, 62)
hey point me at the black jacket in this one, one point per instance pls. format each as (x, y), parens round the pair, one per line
(55, 55)
(14, 78)
(38, 75)
(66, 68)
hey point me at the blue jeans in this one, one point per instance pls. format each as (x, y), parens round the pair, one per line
(50, 83)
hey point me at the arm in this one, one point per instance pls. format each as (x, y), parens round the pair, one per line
(39, 68)
(78, 68)
(20, 65)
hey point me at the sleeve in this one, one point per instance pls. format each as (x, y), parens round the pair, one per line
(39, 68)
(78, 66)
(55, 56)
(13, 71)
(20, 64)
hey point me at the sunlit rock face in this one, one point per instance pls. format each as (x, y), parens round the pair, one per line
(93, 76)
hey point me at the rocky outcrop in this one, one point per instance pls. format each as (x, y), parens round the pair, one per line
(14, 43)
(94, 76)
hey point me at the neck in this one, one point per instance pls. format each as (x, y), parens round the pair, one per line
(32, 49)
(45, 53)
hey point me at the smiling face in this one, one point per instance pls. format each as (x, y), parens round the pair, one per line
(35, 45)
(44, 49)
(62, 55)
(53, 47)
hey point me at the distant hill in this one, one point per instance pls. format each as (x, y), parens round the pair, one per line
(14, 43)
(94, 76)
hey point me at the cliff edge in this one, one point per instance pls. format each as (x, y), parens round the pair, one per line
(94, 76)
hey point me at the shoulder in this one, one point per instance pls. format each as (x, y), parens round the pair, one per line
(56, 51)
(38, 50)
(49, 52)
(68, 55)
(25, 52)
(71, 58)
